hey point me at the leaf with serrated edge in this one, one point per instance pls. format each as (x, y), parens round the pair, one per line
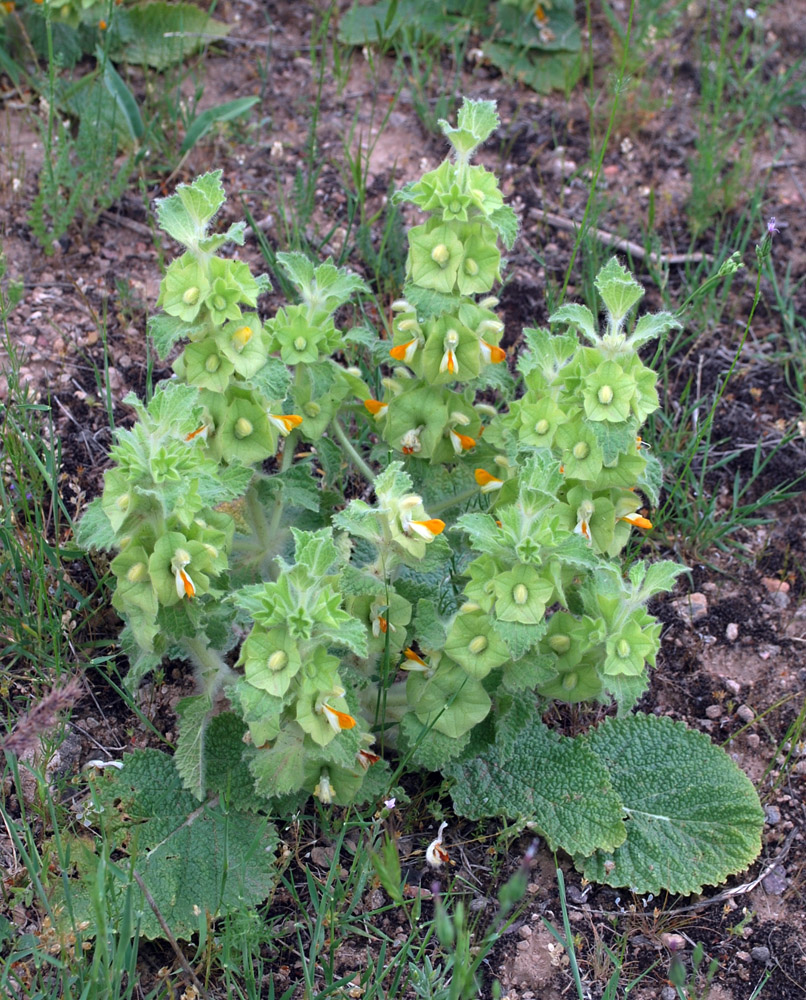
(188, 855)
(540, 777)
(193, 715)
(693, 817)
(578, 316)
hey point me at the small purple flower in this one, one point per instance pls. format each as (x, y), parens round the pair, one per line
(771, 227)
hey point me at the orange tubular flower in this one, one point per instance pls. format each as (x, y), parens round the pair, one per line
(285, 422)
(338, 720)
(490, 353)
(414, 657)
(487, 481)
(428, 529)
(184, 585)
(405, 352)
(199, 431)
(461, 442)
(637, 521)
(376, 407)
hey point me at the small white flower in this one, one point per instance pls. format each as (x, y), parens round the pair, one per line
(436, 855)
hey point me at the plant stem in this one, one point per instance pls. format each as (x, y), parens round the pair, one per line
(212, 670)
(351, 452)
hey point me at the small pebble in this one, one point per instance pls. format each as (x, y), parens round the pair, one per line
(773, 814)
(732, 632)
(774, 586)
(714, 712)
(668, 993)
(774, 884)
(731, 685)
(745, 713)
(692, 607)
(761, 953)
(753, 740)
(743, 956)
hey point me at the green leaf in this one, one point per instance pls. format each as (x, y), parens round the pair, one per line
(226, 772)
(203, 122)
(94, 530)
(273, 379)
(280, 768)
(578, 316)
(693, 817)
(165, 331)
(123, 97)
(427, 302)
(542, 778)
(193, 714)
(429, 749)
(653, 325)
(476, 122)
(161, 34)
(506, 224)
(188, 855)
(429, 627)
(619, 290)
(186, 214)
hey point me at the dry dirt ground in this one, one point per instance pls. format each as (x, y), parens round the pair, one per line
(735, 631)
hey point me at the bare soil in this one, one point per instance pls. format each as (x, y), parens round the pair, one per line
(733, 656)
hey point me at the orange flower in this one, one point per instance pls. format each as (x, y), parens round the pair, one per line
(491, 354)
(414, 657)
(285, 422)
(199, 430)
(405, 352)
(487, 481)
(376, 407)
(338, 720)
(428, 529)
(637, 521)
(461, 442)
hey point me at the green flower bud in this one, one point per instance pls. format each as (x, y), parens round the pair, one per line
(560, 643)
(542, 427)
(471, 267)
(605, 395)
(243, 428)
(441, 255)
(138, 573)
(277, 660)
(520, 593)
(300, 343)
(123, 501)
(478, 644)
(569, 681)
(623, 648)
(581, 450)
(213, 363)
(191, 295)
(219, 302)
(312, 409)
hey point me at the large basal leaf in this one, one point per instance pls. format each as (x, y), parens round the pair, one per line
(693, 817)
(539, 777)
(161, 34)
(188, 855)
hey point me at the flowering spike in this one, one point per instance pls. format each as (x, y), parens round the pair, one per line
(491, 354)
(487, 481)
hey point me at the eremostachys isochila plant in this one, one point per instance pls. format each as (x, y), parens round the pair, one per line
(332, 630)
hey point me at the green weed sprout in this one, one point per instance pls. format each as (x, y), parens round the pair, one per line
(323, 623)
